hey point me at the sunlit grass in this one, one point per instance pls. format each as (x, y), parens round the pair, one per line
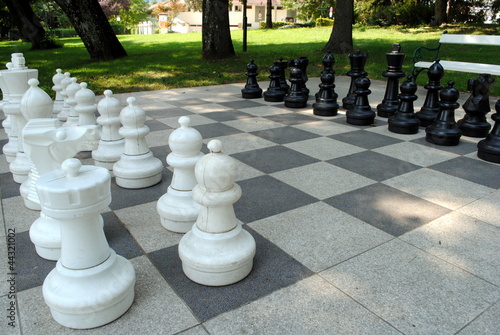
(157, 62)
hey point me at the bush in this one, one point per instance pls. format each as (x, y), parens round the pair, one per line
(277, 24)
(119, 28)
(324, 22)
(63, 32)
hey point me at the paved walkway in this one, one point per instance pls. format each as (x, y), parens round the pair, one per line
(358, 230)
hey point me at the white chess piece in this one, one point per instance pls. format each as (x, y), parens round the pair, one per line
(137, 167)
(71, 90)
(16, 80)
(58, 101)
(177, 209)
(10, 148)
(217, 251)
(91, 285)
(48, 145)
(63, 114)
(112, 144)
(35, 104)
(85, 106)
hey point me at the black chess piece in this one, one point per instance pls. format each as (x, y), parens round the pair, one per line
(404, 120)
(443, 130)
(328, 63)
(394, 71)
(357, 60)
(251, 89)
(476, 107)
(361, 112)
(489, 148)
(430, 108)
(283, 65)
(296, 97)
(326, 99)
(274, 93)
(302, 64)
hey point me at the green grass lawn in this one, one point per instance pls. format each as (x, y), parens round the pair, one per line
(157, 62)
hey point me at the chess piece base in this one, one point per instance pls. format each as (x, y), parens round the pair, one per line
(477, 129)
(138, 171)
(217, 259)
(92, 297)
(108, 153)
(295, 103)
(178, 211)
(489, 150)
(20, 167)
(325, 109)
(364, 118)
(443, 139)
(407, 129)
(45, 233)
(274, 96)
(251, 94)
(10, 149)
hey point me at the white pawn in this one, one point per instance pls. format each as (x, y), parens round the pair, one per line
(58, 101)
(85, 106)
(177, 209)
(35, 104)
(91, 285)
(48, 145)
(111, 145)
(10, 148)
(217, 251)
(137, 167)
(71, 90)
(63, 114)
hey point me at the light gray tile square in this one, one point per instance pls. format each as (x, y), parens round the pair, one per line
(462, 241)
(156, 309)
(196, 120)
(486, 324)
(486, 209)
(158, 138)
(325, 128)
(10, 319)
(242, 142)
(16, 214)
(266, 110)
(324, 148)
(311, 306)
(440, 188)
(384, 130)
(319, 236)
(412, 290)
(415, 153)
(4, 165)
(205, 108)
(253, 124)
(322, 180)
(143, 222)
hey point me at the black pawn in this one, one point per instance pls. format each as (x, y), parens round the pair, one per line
(283, 65)
(394, 71)
(296, 97)
(252, 89)
(357, 60)
(476, 107)
(444, 130)
(274, 92)
(430, 108)
(404, 120)
(489, 148)
(326, 99)
(361, 112)
(328, 63)
(302, 64)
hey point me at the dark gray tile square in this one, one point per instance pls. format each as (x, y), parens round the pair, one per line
(161, 152)
(365, 139)
(167, 112)
(291, 119)
(477, 171)
(239, 104)
(31, 269)
(9, 187)
(273, 269)
(119, 238)
(463, 148)
(387, 208)
(273, 159)
(374, 165)
(123, 197)
(265, 196)
(216, 130)
(283, 135)
(154, 125)
(227, 115)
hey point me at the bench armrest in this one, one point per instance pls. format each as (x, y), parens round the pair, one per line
(418, 56)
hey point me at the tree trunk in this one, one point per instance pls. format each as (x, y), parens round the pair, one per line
(269, 14)
(440, 12)
(91, 24)
(341, 37)
(216, 36)
(27, 23)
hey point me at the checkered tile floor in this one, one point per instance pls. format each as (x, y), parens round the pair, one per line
(358, 230)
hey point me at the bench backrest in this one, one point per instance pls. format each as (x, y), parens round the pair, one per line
(470, 39)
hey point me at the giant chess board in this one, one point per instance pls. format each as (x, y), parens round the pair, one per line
(358, 230)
